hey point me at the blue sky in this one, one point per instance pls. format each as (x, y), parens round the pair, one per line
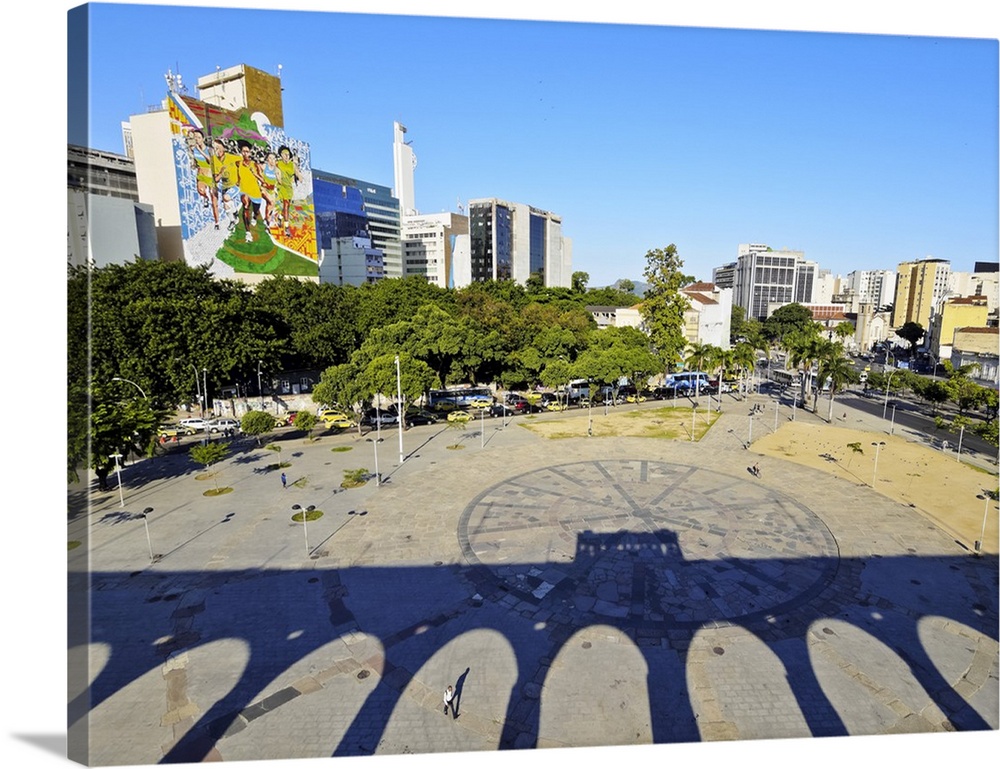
(862, 150)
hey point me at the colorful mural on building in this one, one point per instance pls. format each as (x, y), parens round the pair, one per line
(245, 192)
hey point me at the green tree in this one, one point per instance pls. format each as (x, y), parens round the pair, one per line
(579, 282)
(305, 421)
(836, 368)
(345, 385)
(805, 348)
(415, 378)
(912, 332)
(664, 305)
(208, 454)
(257, 424)
(788, 319)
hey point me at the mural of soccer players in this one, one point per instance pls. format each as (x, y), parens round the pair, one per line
(286, 188)
(226, 179)
(202, 161)
(269, 181)
(249, 175)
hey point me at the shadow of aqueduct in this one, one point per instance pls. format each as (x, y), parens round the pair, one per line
(168, 612)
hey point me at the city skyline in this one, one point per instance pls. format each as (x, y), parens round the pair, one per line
(869, 151)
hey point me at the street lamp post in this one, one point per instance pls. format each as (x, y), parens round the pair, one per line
(694, 410)
(482, 428)
(145, 522)
(305, 529)
(961, 433)
(118, 473)
(776, 416)
(986, 510)
(877, 445)
(590, 407)
(888, 383)
(204, 390)
(399, 400)
(375, 442)
(892, 424)
(123, 379)
(750, 430)
(260, 390)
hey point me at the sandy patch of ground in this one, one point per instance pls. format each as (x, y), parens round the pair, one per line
(934, 483)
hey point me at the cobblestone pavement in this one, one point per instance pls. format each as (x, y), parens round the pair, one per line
(575, 592)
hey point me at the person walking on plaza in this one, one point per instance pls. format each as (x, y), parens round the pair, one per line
(284, 481)
(449, 700)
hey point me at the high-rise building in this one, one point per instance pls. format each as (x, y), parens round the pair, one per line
(382, 210)
(513, 241)
(106, 223)
(873, 287)
(765, 276)
(347, 255)
(404, 162)
(429, 244)
(724, 276)
(921, 287)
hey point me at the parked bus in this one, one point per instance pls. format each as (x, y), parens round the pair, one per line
(459, 398)
(693, 381)
(786, 378)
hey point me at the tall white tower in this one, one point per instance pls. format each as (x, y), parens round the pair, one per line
(403, 163)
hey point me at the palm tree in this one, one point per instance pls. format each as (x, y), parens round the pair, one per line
(804, 349)
(701, 355)
(744, 356)
(838, 369)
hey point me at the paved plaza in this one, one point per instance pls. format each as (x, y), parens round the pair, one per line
(576, 592)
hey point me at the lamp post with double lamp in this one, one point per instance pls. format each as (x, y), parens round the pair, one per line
(204, 390)
(375, 442)
(892, 422)
(877, 445)
(305, 515)
(149, 543)
(958, 454)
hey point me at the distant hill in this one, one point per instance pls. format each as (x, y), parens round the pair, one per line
(639, 290)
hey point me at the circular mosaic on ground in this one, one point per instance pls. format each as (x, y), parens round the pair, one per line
(647, 543)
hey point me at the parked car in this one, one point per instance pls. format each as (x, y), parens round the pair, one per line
(330, 416)
(458, 415)
(290, 417)
(380, 417)
(222, 424)
(504, 410)
(420, 417)
(173, 431)
(338, 421)
(195, 423)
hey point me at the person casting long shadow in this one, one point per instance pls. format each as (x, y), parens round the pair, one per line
(457, 702)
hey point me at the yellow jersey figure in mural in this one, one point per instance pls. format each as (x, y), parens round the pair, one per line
(224, 165)
(248, 170)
